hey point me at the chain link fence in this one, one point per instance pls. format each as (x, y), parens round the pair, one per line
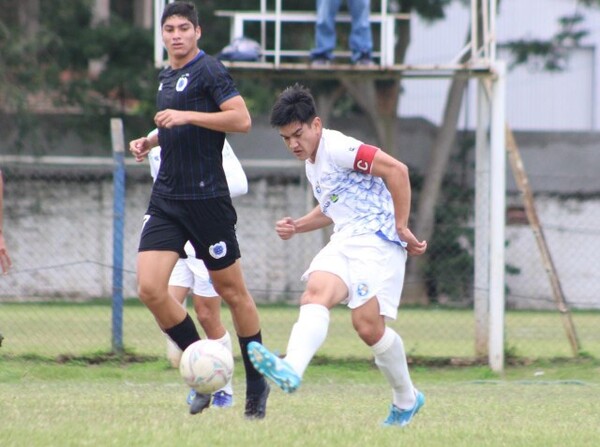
(56, 301)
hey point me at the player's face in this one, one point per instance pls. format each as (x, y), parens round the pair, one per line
(180, 38)
(302, 139)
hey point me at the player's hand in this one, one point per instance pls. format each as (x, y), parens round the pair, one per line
(285, 228)
(414, 247)
(139, 148)
(170, 118)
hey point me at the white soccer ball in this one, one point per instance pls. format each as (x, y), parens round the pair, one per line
(206, 366)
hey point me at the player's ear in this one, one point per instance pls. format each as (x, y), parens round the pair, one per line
(317, 124)
(198, 32)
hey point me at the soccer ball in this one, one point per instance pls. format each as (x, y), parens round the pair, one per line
(206, 366)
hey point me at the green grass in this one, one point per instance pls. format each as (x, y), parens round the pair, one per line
(51, 330)
(341, 403)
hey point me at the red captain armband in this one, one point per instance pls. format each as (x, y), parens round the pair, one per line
(364, 158)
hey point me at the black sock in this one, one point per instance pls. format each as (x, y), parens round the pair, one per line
(184, 333)
(255, 382)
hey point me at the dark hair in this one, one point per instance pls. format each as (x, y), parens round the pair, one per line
(183, 9)
(294, 104)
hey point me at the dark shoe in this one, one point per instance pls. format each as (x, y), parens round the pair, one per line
(200, 403)
(364, 61)
(320, 62)
(256, 405)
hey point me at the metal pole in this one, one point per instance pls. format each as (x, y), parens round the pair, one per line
(482, 220)
(118, 143)
(497, 217)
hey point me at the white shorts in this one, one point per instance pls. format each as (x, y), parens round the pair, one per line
(369, 266)
(191, 273)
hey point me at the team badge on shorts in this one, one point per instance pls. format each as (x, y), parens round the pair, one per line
(218, 250)
(362, 289)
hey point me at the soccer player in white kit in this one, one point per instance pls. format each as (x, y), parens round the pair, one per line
(366, 194)
(191, 274)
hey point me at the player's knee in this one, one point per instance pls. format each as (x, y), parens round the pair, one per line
(204, 317)
(367, 331)
(148, 294)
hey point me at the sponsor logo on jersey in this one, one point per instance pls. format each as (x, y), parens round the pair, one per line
(182, 83)
(352, 149)
(218, 250)
(160, 87)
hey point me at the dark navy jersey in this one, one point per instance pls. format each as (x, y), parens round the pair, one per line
(192, 163)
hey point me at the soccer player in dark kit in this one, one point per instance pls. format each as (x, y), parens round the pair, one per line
(197, 104)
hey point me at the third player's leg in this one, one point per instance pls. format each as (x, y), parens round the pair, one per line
(230, 285)
(208, 312)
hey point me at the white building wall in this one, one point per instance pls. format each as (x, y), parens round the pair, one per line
(536, 100)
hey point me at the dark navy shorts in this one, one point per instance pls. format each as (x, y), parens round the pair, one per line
(208, 224)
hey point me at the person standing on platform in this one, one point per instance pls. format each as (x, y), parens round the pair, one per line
(361, 39)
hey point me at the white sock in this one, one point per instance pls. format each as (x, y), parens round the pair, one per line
(225, 340)
(307, 336)
(390, 358)
(173, 352)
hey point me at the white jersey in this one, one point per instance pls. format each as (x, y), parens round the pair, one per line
(236, 177)
(358, 203)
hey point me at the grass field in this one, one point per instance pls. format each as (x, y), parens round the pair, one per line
(56, 389)
(341, 403)
(50, 330)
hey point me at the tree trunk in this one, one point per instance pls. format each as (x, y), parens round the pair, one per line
(415, 290)
(29, 17)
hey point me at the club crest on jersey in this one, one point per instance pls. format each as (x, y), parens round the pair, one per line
(182, 83)
(218, 250)
(362, 289)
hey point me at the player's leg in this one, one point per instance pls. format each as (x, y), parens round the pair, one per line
(208, 311)
(377, 271)
(215, 242)
(161, 245)
(153, 272)
(325, 288)
(390, 358)
(180, 281)
(230, 285)
(173, 351)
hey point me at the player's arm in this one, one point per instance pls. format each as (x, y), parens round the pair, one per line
(233, 117)
(395, 175)
(313, 220)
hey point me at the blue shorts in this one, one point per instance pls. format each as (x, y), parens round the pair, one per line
(208, 224)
